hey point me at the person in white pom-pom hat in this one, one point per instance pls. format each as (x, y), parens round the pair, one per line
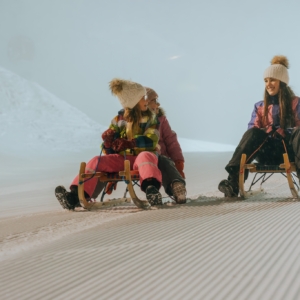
(134, 135)
(170, 160)
(274, 123)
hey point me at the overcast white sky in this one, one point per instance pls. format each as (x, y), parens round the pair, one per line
(204, 58)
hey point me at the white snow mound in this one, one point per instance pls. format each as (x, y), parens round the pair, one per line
(32, 119)
(188, 145)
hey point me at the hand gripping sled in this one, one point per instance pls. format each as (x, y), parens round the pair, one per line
(286, 169)
(125, 175)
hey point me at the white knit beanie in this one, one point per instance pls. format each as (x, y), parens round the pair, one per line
(278, 69)
(128, 92)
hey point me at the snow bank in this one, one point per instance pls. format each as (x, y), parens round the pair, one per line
(33, 120)
(189, 145)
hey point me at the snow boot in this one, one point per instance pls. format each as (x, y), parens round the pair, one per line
(68, 200)
(153, 195)
(229, 188)
(179, 192)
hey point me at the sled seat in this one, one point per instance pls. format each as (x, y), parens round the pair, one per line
(287, 169)
(128, 176)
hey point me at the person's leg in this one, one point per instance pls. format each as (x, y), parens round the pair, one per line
(107, 163)
(172, 181)
(150, 176)
(250, 142)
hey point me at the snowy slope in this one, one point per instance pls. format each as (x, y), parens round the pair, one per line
(32, 119)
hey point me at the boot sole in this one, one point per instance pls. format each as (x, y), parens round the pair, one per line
(179, 192)
(60, 194)
(154, 198)
(227, 190)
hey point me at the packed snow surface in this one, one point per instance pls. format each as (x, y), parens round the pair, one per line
(210, 248)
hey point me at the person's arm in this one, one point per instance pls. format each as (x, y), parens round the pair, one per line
(297, 112)
(172, 145)
(111, 134)
(255, 120)
(171, 141)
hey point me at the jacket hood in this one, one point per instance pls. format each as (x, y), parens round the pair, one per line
(161, 112)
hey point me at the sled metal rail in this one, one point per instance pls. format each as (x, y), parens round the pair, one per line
(286, 169)
(126, 176)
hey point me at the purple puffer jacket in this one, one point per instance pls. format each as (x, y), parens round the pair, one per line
(168, 142)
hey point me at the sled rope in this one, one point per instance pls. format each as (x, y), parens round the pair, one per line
(81, 182)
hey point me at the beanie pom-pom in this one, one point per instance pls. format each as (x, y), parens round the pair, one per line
(116, 86)
(280, 59)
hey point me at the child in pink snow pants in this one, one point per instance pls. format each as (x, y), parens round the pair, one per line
(146, 163)
(134, 135)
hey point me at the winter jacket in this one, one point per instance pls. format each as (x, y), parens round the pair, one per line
(168, 142)
(146, 136)
(273, 119)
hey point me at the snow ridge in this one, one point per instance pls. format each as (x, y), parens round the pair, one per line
(32, 119)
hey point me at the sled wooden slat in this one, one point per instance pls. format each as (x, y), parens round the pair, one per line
(144, 204)
(111, 176)
(287, 168)
(127, 175)
(93, 205)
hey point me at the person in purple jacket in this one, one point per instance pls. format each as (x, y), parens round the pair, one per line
(274, 125)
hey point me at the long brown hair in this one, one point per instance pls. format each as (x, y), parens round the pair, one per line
(285, 98)
(135, 115)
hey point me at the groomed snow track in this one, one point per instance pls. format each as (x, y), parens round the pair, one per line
(201, 250)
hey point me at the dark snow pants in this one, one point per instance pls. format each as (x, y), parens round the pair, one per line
(270, 149)
(168, 171)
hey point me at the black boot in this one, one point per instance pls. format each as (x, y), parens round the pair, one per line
(151, 187)
(68, 200)
(230, 187)
(153, 195)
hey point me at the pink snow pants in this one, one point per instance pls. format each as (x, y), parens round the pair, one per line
(146, 163)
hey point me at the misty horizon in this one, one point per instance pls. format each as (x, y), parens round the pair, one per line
(204, 59)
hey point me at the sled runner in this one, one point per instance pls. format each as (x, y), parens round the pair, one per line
(126, 176)
(286, 169)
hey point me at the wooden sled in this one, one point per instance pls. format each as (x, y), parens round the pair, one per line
(127, 175)
(286, 169)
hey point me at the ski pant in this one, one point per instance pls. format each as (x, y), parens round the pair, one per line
(269, 150)
(169, 173)
(146, 163)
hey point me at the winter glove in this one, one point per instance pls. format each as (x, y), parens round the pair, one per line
(122, 144)
(108, 137)
(276, 132)
(281, 134)
(179, 164)
(110, 186)
(269, 129)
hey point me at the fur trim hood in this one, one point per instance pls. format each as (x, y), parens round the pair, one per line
(161, 112)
